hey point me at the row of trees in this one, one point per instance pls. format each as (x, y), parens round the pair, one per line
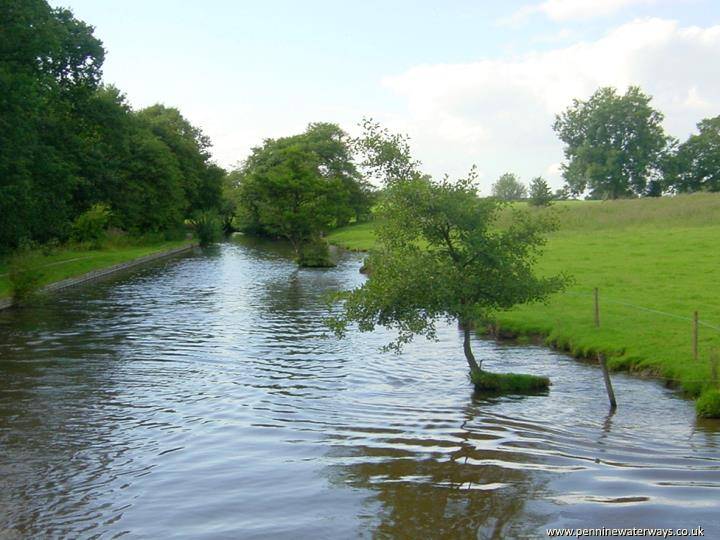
(68, 143)
(615, 146)
(509, 188)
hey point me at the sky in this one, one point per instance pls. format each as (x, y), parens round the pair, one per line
(471, 82)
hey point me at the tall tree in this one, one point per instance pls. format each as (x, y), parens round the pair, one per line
(613, 143)
(201, 180)
(151, 196)
(509, 188)
(696, 164)
(50, 64)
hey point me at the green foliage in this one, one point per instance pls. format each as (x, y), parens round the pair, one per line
(708, 404)
(315, 254)
(91, 225)
(540, 194)
(208, 227)
(201, 181)
(696, 164)
(298, 187)
(49, 65)
(24, 275)
(67, 142)
(508, 383)
(613, 144)
(509, 188)
(440, 256)
(384, 155)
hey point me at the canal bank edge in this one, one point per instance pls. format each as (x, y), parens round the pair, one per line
(6, 303)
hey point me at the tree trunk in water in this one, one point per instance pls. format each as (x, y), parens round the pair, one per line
(469, 356)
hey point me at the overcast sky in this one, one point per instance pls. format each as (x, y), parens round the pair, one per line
(472, 82)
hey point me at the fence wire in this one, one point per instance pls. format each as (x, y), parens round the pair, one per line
(604, 299)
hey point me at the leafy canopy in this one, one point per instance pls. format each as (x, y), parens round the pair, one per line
(509, 188)
(442, 256)
(300, 186)
(540, 193)
(696, 165)
(614, 144)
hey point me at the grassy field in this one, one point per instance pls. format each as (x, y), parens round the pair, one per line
(69, 262)
(654, 261)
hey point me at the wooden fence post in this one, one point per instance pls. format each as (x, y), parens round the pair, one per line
(597, 309)
(695, 335)
(608, 383)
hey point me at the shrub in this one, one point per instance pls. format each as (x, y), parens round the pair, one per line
(508, 383)
(315, 254)
(540, 194)
(208, 227)
(708, 404)
(25, 277)
(91, 225)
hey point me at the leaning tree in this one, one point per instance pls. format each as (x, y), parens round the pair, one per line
(443, 255)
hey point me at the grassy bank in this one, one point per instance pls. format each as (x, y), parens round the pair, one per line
(654, 261)
(70, 262)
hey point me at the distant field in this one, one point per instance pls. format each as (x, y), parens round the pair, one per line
(655, 261)
(66, 263)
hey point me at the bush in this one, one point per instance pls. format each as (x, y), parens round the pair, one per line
(25, 277)
(315, 254)
(708, 404)
(508, 383)
(540, 194)
(91, 225)
(208, 227)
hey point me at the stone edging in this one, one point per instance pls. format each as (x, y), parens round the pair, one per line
(102, 272)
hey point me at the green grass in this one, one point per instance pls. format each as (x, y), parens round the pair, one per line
(708, 405)
(654, 261)
(354, 237)
(508, 383)
(71, 262)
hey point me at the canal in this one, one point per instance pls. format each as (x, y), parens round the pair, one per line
(200, 397)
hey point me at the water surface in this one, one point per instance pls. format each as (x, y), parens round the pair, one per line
(199, 398)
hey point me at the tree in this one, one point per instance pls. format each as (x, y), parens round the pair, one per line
(509, 188)
(298, 187)
(562, 194)
(540, 194)
(384, 155)
(151, 197)
(696, 164)
(443, 256)
(67, 143)
(201, 180)
(613, 144)
(50, 63)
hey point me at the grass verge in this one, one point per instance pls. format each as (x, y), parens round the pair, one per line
(71, 262)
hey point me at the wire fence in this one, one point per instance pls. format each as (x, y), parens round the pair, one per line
(701, 349)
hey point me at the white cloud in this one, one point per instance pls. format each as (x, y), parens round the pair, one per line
(566, 10)
(499, 113)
